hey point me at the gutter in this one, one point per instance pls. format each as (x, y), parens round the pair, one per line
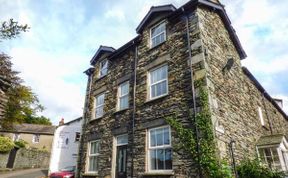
(85, 121)
(134, 108)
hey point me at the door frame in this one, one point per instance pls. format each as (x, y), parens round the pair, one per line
(114, 155)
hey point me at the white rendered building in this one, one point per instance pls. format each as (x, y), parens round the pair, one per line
(66, 141)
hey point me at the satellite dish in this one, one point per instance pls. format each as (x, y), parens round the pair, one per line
(228, 65)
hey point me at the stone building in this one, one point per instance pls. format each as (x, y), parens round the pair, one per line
(132, 90)
(36, 136)
(4, 85)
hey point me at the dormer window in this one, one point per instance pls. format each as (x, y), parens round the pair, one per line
(158, 34)
(103, 68)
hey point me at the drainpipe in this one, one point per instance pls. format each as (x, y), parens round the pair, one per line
(85, 121)
(193, 93)
(134, 109)
(231, 143)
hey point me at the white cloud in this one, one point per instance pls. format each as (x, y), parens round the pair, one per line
(262, 28)
(47, 75)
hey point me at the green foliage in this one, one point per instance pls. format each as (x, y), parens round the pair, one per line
(6, 144)
(42, 120)
(209, 163)
(23, 104)
(253, 169)
(20, 143)
(10, 29)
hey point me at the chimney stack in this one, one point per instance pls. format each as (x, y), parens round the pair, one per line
(61, 122)
(279, 102)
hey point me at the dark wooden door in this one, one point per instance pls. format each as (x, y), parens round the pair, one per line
(121, 161)
(11, 158)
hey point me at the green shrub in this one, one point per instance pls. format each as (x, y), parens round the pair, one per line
(20, 143)
(6, 144)
(253, 169)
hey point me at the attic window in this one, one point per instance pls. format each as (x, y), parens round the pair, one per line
(103, 68)
(158, 34)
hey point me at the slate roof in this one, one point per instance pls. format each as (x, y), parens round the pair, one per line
(270, 140)
(100, 51)
(32, 128)
(218, 8)
(153, 10)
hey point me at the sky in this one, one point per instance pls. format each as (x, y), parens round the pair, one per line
(65, 34)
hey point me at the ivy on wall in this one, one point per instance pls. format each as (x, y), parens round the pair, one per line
(211, 165)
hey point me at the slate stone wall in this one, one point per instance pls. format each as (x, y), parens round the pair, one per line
(3, 101)
(27, 158)
(234, 99)
(149, 114)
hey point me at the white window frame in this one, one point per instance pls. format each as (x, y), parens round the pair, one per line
(99, 106)
(119, 97)
(260, 113)
(101, 68)
(150, 85)
(159, 147)
(95, 155)
(165, 33)
(16, 137)
(34, 139)
(270, 149)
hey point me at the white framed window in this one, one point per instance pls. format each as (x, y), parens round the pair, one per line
(159, 149)
(16, 137)
(123, 96)
(103, 68)
(99, 105)
(260, 113)
(36, 138)
(158, 34)
(93, 156)
(158, 82)
(270, 157)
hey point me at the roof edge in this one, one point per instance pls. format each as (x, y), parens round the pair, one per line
(101, 48)
(228, 25)
(153, 9)
(263, 91)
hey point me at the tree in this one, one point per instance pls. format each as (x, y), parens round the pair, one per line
(11, 29)
(23, 104)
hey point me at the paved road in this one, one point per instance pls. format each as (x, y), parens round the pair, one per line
(28, 173)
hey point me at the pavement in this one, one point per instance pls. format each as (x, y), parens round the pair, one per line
(27, 173)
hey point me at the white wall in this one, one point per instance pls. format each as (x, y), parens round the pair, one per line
(65, 153)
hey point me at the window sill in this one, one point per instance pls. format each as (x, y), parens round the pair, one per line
(157, 98)
(95, 119)
(120, 111)
(160, 173)
(157, 46)
(100, 78)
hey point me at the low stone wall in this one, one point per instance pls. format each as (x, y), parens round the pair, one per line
(27, 158)
(3, 160)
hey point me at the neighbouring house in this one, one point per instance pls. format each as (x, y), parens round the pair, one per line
(36, 136)
(132, 89)
(66, 140)
(38, 140)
